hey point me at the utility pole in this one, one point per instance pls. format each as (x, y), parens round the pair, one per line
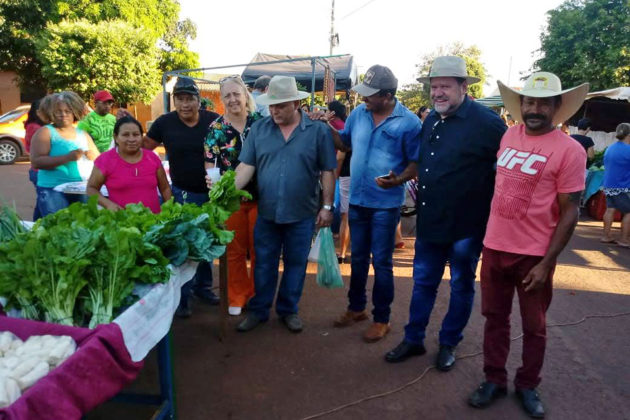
(334, 37)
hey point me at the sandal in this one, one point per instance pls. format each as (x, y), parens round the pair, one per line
(623, 244)
(607, 241)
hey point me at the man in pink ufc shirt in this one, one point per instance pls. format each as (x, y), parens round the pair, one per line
(540, 176)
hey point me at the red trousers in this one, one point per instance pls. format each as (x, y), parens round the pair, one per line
(240, 280)
(501, 274)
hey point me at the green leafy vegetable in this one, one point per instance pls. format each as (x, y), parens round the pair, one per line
(94, 257)
(10, 224)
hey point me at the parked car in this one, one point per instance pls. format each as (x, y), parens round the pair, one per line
(12, 135)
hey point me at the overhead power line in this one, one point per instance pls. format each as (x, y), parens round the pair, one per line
(357, 9)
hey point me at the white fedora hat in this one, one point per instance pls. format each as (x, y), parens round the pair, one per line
(281, 89)
(544, 85)
(449, 66)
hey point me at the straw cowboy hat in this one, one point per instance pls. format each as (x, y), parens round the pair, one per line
(281, 89)
(544, 85)
(448, 66)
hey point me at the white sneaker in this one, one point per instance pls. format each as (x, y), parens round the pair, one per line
(234, 310)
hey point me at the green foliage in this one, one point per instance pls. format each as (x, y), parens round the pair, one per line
(85, 57)
(24, 22)
(415, 95)
(598, 160)
(82, 263)
(175, 54)
(20, 23)
(10, 224)
(588, 41)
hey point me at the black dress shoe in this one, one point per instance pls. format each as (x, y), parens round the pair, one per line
(293, 323)
(403, 351)
(249, 323)
(446, 358)
(531, 402)
(485, 394)
(207, 295)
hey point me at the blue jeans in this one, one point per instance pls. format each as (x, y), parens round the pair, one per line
(373, 232)
(294, 241)
(428, 268)
(50, 201)
(32, 176)
(203, 276)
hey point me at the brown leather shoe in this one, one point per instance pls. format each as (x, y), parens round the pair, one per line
(376, 331)
(349, 318)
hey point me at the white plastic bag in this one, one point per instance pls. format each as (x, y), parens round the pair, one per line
(85, 166)
(313, 255)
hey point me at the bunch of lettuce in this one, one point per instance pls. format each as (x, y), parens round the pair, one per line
(77, 264)
(192, 232)
(10, 224)
(80, 265)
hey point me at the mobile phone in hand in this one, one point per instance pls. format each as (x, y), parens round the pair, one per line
(383, 176)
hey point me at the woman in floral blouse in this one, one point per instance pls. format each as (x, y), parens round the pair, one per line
(222, 148)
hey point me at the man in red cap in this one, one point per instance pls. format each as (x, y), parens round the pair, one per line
(100, 123)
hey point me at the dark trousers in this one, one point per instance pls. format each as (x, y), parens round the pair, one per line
(32, 176)
(428, 268)
(203, 276)
(501, 274)
(372, 232)
(293, 240)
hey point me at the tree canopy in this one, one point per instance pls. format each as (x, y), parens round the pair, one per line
(588, 41)
(414, 95)
(86, 57)
(25, 26)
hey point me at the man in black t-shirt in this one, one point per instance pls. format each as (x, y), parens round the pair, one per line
(182, 132)
(584, 126)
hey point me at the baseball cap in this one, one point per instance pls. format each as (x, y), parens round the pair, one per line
(376, 78)
(185, 85)
(583, 124)
(103, 96)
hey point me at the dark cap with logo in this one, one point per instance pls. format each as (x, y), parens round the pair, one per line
(376, 78)
(185, 85)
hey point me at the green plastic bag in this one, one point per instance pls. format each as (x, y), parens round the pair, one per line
(328, 274)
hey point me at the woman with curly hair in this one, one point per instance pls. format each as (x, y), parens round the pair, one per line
(222, 148)
(56, 148)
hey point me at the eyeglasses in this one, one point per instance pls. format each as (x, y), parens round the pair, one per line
(232, 77)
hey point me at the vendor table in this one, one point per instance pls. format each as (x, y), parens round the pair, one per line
(165, 400)
(111, 356)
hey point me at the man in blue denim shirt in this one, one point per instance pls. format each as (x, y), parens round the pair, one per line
(459, 143)
(384, 138)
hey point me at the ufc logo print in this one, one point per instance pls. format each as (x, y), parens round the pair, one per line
(512, 157)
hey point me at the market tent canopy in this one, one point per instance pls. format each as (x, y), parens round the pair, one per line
(620, 93)
(606, 109)
(343, 66)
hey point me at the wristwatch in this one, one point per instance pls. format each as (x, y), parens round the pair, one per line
(327, 207)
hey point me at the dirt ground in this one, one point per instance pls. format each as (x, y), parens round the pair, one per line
(270, 373)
